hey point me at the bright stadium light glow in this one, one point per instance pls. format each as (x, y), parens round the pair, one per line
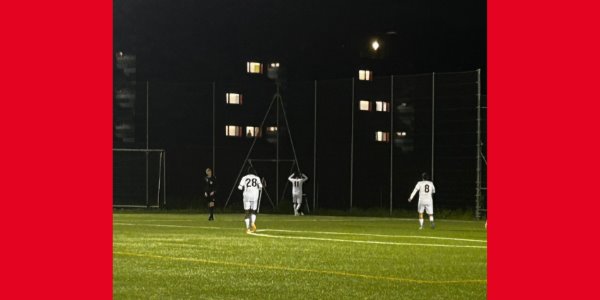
(375, 45)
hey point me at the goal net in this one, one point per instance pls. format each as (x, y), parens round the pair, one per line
(139, 178)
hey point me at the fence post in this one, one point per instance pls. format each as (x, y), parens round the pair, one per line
(352, 149)
(432, 123)
(315, 152)
(391, 143)
(478, 178)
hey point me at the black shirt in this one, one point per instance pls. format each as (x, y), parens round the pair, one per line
(210, 185)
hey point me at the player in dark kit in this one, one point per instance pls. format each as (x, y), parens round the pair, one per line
(210, 191)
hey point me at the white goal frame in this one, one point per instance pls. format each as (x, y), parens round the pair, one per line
(162, 180)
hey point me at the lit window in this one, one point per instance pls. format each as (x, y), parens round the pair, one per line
(275, 65)
(233, 98)
(401, 133)
(272, 129)
(382, 106)
(252, 131)
(365, 105)
(382, 136)
(254, 67)
(365, 75)
(231, 130)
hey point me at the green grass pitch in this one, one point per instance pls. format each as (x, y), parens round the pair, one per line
(183, 256)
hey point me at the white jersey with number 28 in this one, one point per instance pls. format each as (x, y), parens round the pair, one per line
(251, 185)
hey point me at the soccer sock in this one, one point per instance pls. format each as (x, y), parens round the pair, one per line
(247, 220)
(253, 218)
(421, 222)
(431, 219)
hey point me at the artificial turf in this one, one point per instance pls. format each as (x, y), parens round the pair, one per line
(184, 256)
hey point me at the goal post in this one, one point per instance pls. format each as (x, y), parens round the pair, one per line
(139, 178)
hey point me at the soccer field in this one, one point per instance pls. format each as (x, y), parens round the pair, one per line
(183, 256)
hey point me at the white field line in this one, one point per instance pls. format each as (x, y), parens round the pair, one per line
(298, 231)
(366, 242)
(378, 235)
(171, 244)
(174, 226)
(366, 219)
(284, 218)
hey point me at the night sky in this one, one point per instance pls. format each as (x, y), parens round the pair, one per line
(182, 47)
(211, 40)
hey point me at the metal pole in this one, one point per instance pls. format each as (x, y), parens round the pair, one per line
(315, 152)
(432, 121)
(147, 112)
(147, 134)
(478, 180)
(352, 149)
(213, 128)
(159, 177)
(391, 144)
(277, 154)
(165, 180)
(287, 124)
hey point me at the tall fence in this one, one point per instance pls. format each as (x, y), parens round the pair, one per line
(363, 144)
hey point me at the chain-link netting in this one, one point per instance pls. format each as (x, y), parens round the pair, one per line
(363, 144)
(138, 178)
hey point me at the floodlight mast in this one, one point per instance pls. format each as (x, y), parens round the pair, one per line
(274, 73)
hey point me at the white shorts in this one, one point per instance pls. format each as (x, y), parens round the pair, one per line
(427, 207)
(297, 198)
(250, 202)
(250, 205)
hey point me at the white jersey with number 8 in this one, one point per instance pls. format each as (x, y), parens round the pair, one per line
(426, 189)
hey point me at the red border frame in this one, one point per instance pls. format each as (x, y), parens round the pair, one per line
(543, 70)
(57, 138)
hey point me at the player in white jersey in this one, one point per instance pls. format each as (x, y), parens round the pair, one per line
(297, 192)
(252, 186)
(426, 190)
